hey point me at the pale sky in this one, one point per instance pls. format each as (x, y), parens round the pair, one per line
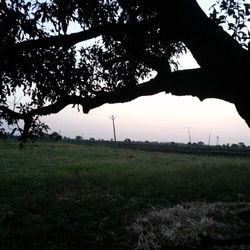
(161, 117)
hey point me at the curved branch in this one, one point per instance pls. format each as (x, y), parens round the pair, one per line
(64, 40)
(11, 113)
(122, 95)
(71, 39)
(46, 110)
(193, 82)
(211, 46)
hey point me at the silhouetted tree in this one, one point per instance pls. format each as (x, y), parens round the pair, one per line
(78, 138)
(55, 136)
(127, 140)
(242, 144)
(133, 54)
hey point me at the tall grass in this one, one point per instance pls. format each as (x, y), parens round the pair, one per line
(66, 196)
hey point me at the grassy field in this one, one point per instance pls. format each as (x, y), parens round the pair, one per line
(66, 196)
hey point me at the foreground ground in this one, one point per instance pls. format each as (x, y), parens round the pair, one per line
(66, 196)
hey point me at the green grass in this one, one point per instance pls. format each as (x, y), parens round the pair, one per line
(66, 196)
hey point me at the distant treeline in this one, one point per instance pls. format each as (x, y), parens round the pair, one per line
(195, 148)
(239, 149)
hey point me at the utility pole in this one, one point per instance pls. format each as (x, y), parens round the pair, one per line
(217, 140)
(209, 137)
(189, 135)
(113, 122)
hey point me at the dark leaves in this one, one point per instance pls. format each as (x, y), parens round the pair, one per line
(233, 16)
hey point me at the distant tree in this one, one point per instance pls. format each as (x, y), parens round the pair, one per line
(134, 54)
(78, 138)
(242, 144)
(55, 136)
(92, 139)
(127, 140)
(201, 143)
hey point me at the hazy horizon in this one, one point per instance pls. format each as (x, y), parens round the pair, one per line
(154, 119)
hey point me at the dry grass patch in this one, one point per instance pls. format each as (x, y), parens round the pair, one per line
(183, 225)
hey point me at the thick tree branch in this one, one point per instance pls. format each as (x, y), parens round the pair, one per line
(122, 95)
(212, 47)
(65, 40)
(162, 82)
(46, 110)
(74, 38)
(193, 82)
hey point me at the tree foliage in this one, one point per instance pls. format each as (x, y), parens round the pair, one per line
(233, 16)
(54, 53)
